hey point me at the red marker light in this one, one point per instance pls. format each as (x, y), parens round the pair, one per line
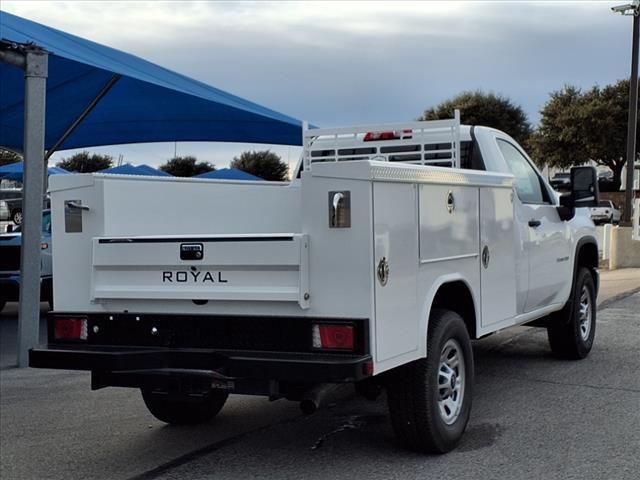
(333, 336)
(70, 328)
(392, 135)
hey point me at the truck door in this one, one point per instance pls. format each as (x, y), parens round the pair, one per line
(544, 236)
(395, 267)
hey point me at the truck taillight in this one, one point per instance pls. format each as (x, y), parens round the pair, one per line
(70, 328)
(333, 336)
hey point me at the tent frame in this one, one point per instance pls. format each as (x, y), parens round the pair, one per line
(112, 81)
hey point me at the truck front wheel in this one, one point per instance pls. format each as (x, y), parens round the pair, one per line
(186, 410)
(430, 398)
(573, 329)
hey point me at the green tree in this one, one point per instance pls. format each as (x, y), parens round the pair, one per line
(186, 166)
(264, 164)
(86, 162)
(577, 127)
(9, 156)
(487, 109)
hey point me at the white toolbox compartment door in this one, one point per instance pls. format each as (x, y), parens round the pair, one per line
(497, 256)
(396, 243)
(265, 267)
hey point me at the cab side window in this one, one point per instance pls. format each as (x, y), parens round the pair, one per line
(527, 182)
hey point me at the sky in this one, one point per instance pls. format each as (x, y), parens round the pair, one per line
(343, 63)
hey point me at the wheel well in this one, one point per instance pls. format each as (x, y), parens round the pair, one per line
(457, 297)
(588, 256)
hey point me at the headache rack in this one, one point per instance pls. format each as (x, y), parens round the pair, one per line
(434, 142)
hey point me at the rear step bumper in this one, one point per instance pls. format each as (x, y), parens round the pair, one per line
(307, 367)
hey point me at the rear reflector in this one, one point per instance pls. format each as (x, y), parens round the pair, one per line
(333, 336)
(70, 328)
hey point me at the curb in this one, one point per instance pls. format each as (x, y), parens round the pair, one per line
(610, 301)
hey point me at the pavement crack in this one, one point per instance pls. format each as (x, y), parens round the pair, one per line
(352, 423)
(200, 452)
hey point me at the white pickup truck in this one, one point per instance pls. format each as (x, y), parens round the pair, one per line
(392, 247)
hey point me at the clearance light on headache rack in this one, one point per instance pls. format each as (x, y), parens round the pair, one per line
(393, 135)
(333, 336)
(70, 328)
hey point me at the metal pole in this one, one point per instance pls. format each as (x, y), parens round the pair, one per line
(632, 125)
(35, 74)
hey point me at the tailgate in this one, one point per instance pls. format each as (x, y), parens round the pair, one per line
(261, 267)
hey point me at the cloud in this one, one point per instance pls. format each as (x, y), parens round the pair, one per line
(337, 63)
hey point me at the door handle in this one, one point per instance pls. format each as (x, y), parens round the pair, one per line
(77, 206)
(534, 223)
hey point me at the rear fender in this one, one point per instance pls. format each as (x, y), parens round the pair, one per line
(428, 305)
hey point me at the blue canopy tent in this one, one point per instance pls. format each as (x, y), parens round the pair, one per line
(59, 91)
(15, 171)
(138, 101)
(128, 169)
(228, 174)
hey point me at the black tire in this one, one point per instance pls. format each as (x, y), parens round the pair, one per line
(47, 288)
(413, 391)
(16, 216)
(186, 410)
(573, 329)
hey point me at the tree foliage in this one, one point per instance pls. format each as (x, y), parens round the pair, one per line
(187, 166)
(487, 109)
(264, 164)
(577, 127)
(86, 162)
(9, 156)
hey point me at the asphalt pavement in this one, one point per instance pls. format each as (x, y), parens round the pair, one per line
(533, 416)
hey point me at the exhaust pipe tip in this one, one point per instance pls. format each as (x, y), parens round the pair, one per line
(309, 406)
(316, 397)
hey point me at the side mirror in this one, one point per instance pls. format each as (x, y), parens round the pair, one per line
(584, 187)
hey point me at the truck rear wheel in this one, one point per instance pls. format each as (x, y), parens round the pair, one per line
(573, 330)
(430, 398)
(187, 410)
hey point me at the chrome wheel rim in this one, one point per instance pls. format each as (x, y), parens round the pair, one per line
(17, 218)
(451, 381)
(585, 313)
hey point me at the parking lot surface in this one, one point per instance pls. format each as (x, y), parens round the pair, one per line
(533, 417)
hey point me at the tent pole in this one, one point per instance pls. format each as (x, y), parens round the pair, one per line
(35, 74)
(112, 81)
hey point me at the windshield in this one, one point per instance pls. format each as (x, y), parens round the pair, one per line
(46, 223)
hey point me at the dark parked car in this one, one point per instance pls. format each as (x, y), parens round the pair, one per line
(10, 246)
(561, 181)
(11, 205)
